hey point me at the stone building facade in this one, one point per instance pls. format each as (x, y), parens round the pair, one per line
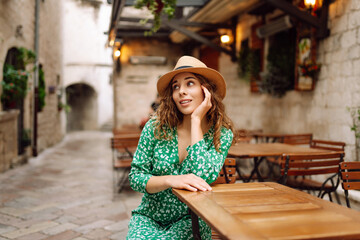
(322, 111)
(17, 29)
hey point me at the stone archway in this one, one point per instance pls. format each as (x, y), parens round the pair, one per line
(82, 99)
(14, 61)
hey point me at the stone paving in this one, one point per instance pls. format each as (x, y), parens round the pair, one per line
(66, 193)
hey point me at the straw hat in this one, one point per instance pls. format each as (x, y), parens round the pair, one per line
(192, 65)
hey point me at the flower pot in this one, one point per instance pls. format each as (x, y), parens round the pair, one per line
(160, 6)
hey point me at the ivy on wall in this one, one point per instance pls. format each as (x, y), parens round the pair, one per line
(41, 89)
(281, 64)
(249, 62)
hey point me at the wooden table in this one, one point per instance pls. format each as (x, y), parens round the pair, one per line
(270, 210)
(260, 151)
(273, 137)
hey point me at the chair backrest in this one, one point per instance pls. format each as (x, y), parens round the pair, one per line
(244, 135)
(328, 145)
(227, 173)
(297, 139)
(350, 175)
(126, 131)
(314, 164)
(124, 144)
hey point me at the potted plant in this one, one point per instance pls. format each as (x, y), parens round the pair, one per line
(64, 106)
(157, 7)
(309, 69)
(15, 79)
(26, 137)
(14, 86)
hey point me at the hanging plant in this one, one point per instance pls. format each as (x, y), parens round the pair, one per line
(249, 63)
(157, 7)
(281, 63)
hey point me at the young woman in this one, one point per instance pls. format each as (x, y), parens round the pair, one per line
(183, 146)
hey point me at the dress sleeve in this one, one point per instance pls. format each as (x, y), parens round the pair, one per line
(204, 161)
(141, 166)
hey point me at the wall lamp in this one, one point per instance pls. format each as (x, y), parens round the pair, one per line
(117, 53)
(225, 39)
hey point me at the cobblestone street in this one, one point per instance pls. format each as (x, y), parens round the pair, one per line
(66, 193)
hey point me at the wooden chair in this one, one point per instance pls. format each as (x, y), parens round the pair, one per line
(294, 168)
(332, 146)
(123, 150)
(328, 145)
(350, 176)
(226, 176)
(293, 139)
(227, 173)
(120, 131)
(297, 139)
(244, 135)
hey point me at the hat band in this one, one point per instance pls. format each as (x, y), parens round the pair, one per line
(183, 67)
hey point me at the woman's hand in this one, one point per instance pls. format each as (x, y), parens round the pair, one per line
(189, 182)
(200, 112)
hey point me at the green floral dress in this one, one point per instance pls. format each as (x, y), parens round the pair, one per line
(162, 215)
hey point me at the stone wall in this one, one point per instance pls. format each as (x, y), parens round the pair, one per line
(17, 29)
(135, 85)
(322, 111)
(8, 145)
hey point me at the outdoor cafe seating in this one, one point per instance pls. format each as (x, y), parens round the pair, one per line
(306, 168)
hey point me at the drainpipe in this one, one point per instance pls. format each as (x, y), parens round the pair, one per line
(36, 80)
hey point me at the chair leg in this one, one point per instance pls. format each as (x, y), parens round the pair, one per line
(337, 197)
(123, 179)
(329, 193)
(347, 198)
(115, 180)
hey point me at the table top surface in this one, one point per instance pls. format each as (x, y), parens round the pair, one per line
(269, 149)
(271, 211)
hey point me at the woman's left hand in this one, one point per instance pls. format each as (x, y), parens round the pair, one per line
(204, 107)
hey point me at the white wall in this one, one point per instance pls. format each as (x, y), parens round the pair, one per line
(86, 57)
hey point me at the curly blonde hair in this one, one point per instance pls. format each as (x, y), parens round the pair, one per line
(168, 116)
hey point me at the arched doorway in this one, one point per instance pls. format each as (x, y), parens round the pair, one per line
(82, 99)
(13, 64)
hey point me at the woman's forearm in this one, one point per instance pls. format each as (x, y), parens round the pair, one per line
(157, 184)
(196, 131)
(189, 182)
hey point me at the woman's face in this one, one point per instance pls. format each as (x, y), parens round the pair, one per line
(187, 92)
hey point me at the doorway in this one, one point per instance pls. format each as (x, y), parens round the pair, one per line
(82, 99)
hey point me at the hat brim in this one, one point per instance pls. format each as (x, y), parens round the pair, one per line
(210, 74)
